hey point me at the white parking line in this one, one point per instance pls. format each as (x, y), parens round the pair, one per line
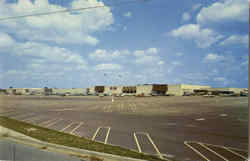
(62, 130)
(79, 125)
(107, 134)
(34, 117)
(47, 122)
(137, 143)
(217, 154)
(196, 151)
(223, 115)
(235, 153)
(151, 141)
(204, 145)
(93, 138)
(106, 138)
(53, 123)
(200, 119)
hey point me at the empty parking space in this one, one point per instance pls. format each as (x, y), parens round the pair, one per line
(122, 138)
(71, 128)
(211, 152)
(146, 144)
(85, 131)
(101, 134)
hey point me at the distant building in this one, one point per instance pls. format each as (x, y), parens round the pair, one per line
(181, 89)
(70, 91)
(113, 90)
(151, 89)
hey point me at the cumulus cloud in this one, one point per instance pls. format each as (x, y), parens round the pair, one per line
(63, 28)
(212, 57)
(105, 55)
(6, 41)
(186, 16)
(147, 57)
(236, 39)
(147, 60)
(139, 53)
(202, 37)
(227, 10)
(108, 67)
(127, 14)
(152, 51)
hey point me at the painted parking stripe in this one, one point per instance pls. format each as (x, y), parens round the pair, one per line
(200, 119)
(94, 136)
(205, 145)
(235, 153)
(47, 122)
(217, 154)
(223, 115)
(62, 130)
(107, 134)
(137, 143)
(157, 150)
(196, 151)
(53, 123)
(80, 124)
(33, 117)
(150, 140)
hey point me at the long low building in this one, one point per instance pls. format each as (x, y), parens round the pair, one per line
(25, 91)
(151, 89)
(71, 91)
(182, 89)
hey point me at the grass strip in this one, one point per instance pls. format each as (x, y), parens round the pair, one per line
(56, 137)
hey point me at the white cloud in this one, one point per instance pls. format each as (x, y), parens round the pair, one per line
(186, 16)
(202, 37)
(179, 54)
(49, 53)
(108, 67)
(212, 57)
(152, 51)
(102, 54)
(5, 41)
(127, 14)
(147, 57)
(236, 39)
(139, 53)
(63, 28)
(147, 60)
(245, 60)
(227, 10)
(161, 62)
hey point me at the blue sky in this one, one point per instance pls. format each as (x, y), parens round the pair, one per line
(201, 42)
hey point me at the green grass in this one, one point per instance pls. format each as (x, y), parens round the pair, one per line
(57, 137)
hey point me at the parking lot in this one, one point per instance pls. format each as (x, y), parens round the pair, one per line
(185, 128)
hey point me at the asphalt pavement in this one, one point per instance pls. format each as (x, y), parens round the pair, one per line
(12, 151)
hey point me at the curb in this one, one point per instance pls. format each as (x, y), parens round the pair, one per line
(61, 148)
